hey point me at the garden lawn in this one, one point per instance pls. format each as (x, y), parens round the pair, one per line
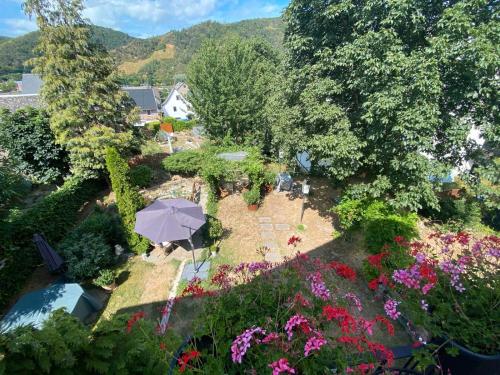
(142, 286)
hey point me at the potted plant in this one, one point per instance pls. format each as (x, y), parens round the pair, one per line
(452, 289)
(106, 280)
(214, 249)
(252, 199)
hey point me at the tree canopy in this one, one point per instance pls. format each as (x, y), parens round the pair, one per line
(26, 135)
(388, 91)
(88, 111)
(230, 83)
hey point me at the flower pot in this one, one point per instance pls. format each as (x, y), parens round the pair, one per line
(109, 288)
(468, 362)
(253, 207)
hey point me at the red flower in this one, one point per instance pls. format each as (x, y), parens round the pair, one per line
(382, 279)
(133, 319)
(185, 358)
(386, 322)
(163, 346)
(346, 321)
(294, 240)
(300, 299)
(343, 270)
(376, 260)
(400, 240)
(195, 289)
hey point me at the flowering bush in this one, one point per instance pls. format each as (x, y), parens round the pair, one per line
(452, 289)
(287, 320)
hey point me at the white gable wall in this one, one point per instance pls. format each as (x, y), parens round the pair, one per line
(176, 106)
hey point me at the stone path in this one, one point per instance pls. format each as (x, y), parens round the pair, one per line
(268, 236)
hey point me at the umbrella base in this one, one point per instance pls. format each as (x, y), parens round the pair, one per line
(201, 270)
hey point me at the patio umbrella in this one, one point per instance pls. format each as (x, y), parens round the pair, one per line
(52, 260)
(170, 220)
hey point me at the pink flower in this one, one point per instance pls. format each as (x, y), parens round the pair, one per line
(281, 366)
(314, 343)
(271, 337)
(318, 287)
(294, 321)
(242, 343)
(354, 298)
(390, 308)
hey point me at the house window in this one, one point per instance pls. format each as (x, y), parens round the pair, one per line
(175, 109)
(149, 112)
(178, 97)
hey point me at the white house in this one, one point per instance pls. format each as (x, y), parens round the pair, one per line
(176, 104)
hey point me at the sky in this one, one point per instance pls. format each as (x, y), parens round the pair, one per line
(145, 18)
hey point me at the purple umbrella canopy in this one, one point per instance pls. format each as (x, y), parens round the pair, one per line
(169, 220)
(52, 260)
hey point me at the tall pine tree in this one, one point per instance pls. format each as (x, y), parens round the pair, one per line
(88, 111)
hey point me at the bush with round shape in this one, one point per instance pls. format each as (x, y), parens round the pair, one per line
(141, 176)
(86, 255)
(252, 197)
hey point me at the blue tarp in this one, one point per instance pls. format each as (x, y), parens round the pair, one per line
(34, 308)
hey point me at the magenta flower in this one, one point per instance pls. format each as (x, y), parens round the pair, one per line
(281, 366)
(271, 337)
(390, 308)
(242, 343)
(318, 287)
(354, 298)
(314, 343)
(296, 321)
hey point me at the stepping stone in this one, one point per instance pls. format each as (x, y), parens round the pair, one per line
(271, 245)
(267, 235)
(264, 219)
(282, 226)
(273, 257)
(202, 270)
(266, 226)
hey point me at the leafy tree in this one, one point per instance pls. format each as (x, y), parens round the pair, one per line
(388, 91)
(12, 185)
(26, 135)
(229, 84)
(128, 199)
(88, 111)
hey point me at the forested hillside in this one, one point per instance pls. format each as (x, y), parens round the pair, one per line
(15, 51)
(154, 60)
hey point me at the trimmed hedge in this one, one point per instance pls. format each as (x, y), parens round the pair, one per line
(187, 163)
(141, 176)
(128, 199)
(54, 216)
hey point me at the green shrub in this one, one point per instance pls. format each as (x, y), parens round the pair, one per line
(457, 214)
(180, 125)
(212, 204)
(382, 225)
(214, 229)
(186, 163)
(54, 216)
(86, 255)
(141, 176)
(106, 277)
(252, 196)
(153, 126)
(103, 223)
(128, 199)
(350, 213)
(151, 148)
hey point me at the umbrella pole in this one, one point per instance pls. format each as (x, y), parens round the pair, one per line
(192, 251)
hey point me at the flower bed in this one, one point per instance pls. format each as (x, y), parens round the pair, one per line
(290, 319)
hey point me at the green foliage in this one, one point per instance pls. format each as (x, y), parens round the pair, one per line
(187, 162)
(12, 185)
(350, 213)
(103, 223)
(14, 52)
(141, 176)
(54, 216)
(153, 126)
(382, 225)
(151, 148)
(214, 229)
(128, 199)
(8, 86)
(212, 205)
(65, 346)
(88, 110)
(180, 125)
(86, 255)
(187, 42)
(371, 88)
(252, 196)
(457, 214)
(106, 277)
(26, 135)
(230, 83)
